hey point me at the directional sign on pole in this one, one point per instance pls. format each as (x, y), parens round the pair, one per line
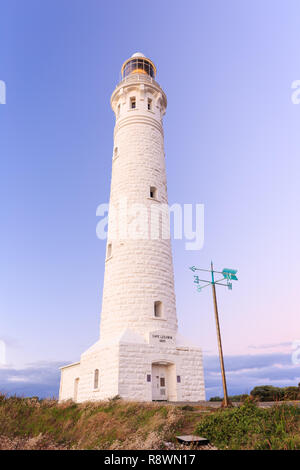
(230, 274)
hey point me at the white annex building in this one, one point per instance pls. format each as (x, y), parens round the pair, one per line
(139, 355)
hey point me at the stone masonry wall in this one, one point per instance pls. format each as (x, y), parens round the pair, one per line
(139, 271)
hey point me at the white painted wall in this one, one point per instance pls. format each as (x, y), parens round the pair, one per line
(139, 272)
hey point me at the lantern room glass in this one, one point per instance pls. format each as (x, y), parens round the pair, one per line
(138, 66)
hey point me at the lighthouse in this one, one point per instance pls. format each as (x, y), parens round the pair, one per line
(140, 354)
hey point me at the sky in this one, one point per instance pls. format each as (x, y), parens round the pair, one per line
(231, 143)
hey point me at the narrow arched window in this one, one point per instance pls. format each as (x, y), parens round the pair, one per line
(76, 385)
(158, 309)
(133, 102)
(153, 192)
(96, 378)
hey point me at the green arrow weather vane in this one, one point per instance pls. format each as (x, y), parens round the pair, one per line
(227, 276)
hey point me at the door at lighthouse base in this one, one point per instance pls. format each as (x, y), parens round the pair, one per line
(159, 382)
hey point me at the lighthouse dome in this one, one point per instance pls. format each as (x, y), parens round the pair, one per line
(138, 54)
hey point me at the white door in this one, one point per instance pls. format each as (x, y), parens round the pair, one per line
(159, 383)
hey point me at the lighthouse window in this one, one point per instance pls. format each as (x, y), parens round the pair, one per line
(153, 192)
(148, 378)
(109, 250)
(133, 102)
(138, 66)
(149, 104)
(96, 378)
(119, 108)
(178, 379)
(158, 309)
(115, 151)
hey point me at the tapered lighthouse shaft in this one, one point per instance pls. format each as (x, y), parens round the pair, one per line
(138, 268)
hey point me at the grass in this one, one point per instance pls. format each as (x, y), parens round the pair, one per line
(251, 427)
(100, 425)
(117, 424)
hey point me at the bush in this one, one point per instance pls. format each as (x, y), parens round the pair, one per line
(270, 393)
(187, 408)
(231, 398)
(250, 427)
(292, 393)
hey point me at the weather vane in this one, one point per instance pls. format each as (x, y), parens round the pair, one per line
(228, 275)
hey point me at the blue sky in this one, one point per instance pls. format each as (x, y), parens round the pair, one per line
(231, 141)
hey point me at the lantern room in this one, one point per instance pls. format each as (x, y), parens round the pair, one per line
(138, 63)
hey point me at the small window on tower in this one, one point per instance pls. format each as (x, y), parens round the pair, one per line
(96, 378)
(116, 150)
(133, 102)
(158, 309)
(119, 109)
(149, 104)
(153, 192)
(109, 250)
(178, 379)
(148, 378)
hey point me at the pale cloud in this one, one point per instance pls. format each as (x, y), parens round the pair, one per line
(35, 379)
(269, 346)
(18, 379)
(282, 347)
(243, 373)
(246, 371)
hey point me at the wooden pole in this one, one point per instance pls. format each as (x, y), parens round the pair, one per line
(226, 402)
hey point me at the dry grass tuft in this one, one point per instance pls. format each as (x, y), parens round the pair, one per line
(46, 424)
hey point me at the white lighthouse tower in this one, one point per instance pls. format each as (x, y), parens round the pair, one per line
(139, 355)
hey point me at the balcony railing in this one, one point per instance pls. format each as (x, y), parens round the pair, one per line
(137, 77)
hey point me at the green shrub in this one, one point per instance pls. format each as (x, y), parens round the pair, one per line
(231, 398)
(187, 408)
(292, 393)
(270, 393)
(250, 427)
